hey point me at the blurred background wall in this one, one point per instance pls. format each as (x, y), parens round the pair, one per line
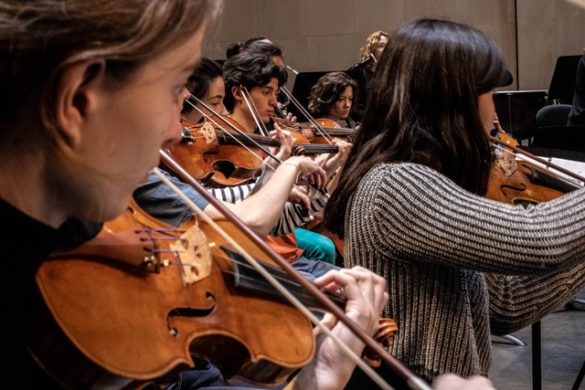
(322, 35)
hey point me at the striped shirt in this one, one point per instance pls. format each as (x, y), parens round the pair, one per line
(293, 214)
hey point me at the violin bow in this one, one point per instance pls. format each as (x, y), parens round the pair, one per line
(306, 114)
(240, 132)
(303, 110)
(234, 128)
(253, 110)
(404, 373)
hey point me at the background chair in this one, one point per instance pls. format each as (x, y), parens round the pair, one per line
(517, 111)
(553, 115)
(552, 130)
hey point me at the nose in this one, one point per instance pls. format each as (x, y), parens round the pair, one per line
(183, 96)
(173, 133)
(222, 110)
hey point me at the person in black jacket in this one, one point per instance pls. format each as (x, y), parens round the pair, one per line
(363, 71)
(577, 113)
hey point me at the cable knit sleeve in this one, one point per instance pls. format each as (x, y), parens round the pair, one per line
(419, 215)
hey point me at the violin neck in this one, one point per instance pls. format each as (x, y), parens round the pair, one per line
(553, 181)
(248, 279)
(247, 139)
(334, 132)
(315, 148)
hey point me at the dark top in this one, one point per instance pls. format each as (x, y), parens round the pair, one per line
(362, 75)
(577, 114)
(24, 244)
(161, 202)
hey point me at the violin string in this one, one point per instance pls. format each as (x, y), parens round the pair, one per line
(229, 134)
(254, 111)
(301, 295)
(280, 275)
(291, 298)
(162, 230)
(306, 114)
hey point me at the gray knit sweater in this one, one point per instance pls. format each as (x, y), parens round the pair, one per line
(455, 262)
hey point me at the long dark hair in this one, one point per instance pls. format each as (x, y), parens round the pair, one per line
(422, 107)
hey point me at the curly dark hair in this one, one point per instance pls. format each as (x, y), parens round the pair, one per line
(263, 47)
(249, 70)
(240, 46)
(327, 91)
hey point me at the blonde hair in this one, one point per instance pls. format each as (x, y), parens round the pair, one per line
(371, 41)
(39, 37)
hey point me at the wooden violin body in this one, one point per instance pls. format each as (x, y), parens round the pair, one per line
(521, 182)
(216, 159)
(174, 296)
(329, 127)
(219, 159)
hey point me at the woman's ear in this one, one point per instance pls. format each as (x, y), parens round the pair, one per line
(237, 94)
(76, 97)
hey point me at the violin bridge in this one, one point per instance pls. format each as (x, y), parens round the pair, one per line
(508, 164)
(194, 254)
(208, 132)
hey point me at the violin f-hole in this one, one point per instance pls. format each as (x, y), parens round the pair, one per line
(228, 169)
(190, 312)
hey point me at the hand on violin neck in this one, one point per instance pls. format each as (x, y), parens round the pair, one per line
(331, 162)
(290, 119)
(286, 142)
(308, 170)
(285, 118)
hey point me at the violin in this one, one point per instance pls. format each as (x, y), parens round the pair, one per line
(522, 182)
(221, 158)
(142, 298)
(327, 128)
(157, 294)
(212, 157)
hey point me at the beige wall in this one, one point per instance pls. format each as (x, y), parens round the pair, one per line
(327, 34)
(547, 29)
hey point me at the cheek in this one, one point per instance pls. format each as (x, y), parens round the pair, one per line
(144, 139)
(487, 111)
